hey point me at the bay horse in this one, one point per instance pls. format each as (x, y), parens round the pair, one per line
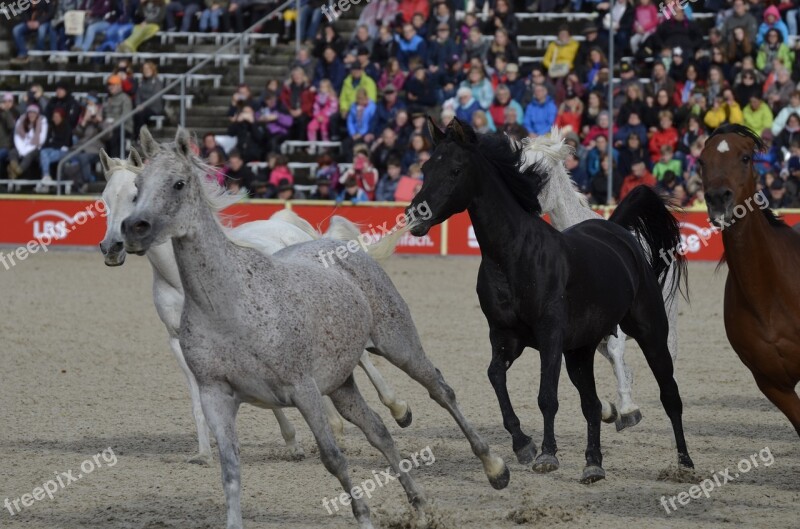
(762, 293)
(560, 293)
(283, 229)
(282, 330)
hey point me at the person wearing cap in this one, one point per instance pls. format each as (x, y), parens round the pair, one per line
(8, 120)
(777, 194)
(591, 39)
(59, 141)
(30, 133)
(387, 108)
(323, 190)
(64, 100)
(757, 115)
(117, 105)
(352, 83)
(441, 47)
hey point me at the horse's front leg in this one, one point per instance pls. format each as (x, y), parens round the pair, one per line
(506, 348)
(550, 354)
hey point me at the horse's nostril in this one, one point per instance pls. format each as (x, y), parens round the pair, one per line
(103, 249)
(117, 246)
(141, 227)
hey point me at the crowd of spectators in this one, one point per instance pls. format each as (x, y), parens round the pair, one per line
(410, 58)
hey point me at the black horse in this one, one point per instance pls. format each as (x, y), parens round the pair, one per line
(555, 292)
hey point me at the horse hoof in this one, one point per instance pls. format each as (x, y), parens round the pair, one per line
(526, 454)
(405, 420)
(501, 481)
(685, 461)
(627, 420)
(200, 459)
(614, 414)
(545, 463)
(592, 473)
(297, 453)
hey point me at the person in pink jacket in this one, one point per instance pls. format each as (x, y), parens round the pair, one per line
(326, 104)
(645, 22)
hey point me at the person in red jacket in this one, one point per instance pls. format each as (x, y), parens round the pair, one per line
(639, 176)
(408, 8)
(298, 97)
(666, 134)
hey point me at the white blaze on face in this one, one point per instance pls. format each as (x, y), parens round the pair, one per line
(723, 146)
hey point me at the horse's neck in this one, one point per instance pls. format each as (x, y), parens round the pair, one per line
(497, 218)
(569, 211)
(165, 266)
(208, 263)
(754, 250)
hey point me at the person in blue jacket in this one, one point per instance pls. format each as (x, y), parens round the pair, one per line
(360, 116)
(541, 112)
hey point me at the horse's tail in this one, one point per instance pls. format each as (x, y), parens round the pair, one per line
(342, 229)
(290, 217)
(645, 213)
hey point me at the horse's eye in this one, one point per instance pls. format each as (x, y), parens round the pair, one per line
(745, 159)
(179, 185)
(135, 197)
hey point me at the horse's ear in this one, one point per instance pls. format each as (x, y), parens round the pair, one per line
(105, 161)
(183, 142)
(436, 133)
(149, 145)
(462, 132)
(134, 159)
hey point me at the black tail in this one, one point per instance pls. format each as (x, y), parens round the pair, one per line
(645, 213)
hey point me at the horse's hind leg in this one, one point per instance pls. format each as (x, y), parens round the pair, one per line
(220, 407)
(784, 398)
(628, 413)
(350, 403)
(309, 402)
(580, 367)
(647, 323)
(203, 457)
(405, 351)
(289, 435)
(505, 349)
(400, 410)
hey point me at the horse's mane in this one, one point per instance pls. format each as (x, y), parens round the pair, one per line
(506, 156)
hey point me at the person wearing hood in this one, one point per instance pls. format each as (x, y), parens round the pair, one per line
(541, 112)
(64, 100)
(30, 133)
(466, 104)
(772, 20)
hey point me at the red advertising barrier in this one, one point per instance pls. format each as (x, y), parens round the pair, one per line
(81, 222)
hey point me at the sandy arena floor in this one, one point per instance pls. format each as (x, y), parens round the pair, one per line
(86, 367)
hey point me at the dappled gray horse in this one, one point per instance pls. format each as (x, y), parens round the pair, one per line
(281, 330)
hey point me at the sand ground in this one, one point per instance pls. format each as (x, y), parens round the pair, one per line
(86, 367)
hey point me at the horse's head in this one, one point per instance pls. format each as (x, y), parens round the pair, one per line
(118, 197)
(726, 168)
(168, 194)
(451, 176)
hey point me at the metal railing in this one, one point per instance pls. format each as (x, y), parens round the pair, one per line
(181, 81)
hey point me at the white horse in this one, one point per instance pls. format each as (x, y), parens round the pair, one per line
(282, 330)
(567, 207)
(267, 236)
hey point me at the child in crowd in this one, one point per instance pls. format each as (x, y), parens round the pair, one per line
(325, 105)
(667, 163)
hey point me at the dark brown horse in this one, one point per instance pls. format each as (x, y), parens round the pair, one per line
(762, 292)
